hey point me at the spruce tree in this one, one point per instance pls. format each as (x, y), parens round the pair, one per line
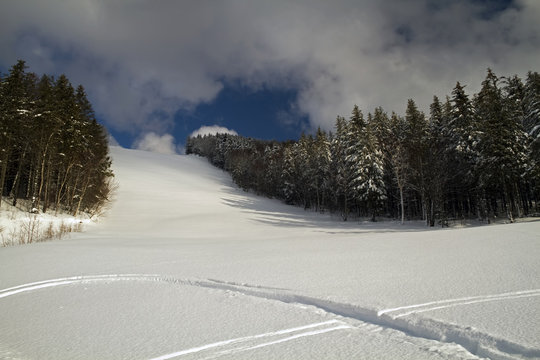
(18, 110)
(462, 151)
(399, 159)
(373, 189)
(52, 149)
(437, 160)
(416, 131)
(321, 166)
(381, 127)
(341, 166)
(531, 122)
(289, 176)
(502, 144)
(355, 141)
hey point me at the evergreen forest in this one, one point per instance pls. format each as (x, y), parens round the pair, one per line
(472, 157)
(53, 152)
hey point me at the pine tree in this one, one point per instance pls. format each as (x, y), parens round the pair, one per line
(17, 111)
(341, 167)
(462, 151)
(321, 166)
(96, 169)
(372, 190)
(67, 156)
(289, 176)
(502, 144)
(437, 160)
(306, 172)
(273, 156)
(416, 131)
(531, 122)
(53, 150)
(47, 123)
(355, 148)
(470, 157)
(380, 127)
(399, 159)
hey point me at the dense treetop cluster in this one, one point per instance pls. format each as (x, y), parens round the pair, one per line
(471, 157)
(53, 152)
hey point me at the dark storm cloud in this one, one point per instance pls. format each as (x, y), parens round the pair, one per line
(141, 61)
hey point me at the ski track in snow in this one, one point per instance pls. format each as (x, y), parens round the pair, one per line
(474, 341)
(443, 304)
(341, 326)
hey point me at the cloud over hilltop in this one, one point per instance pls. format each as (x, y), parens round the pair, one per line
(162, 144)
(212, 130)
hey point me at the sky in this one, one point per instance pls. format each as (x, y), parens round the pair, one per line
(157, 71)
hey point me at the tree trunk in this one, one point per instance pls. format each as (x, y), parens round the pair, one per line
(517, 200)
(345, 209)
(3, 171)
(432, 214)
(81, 196)
(402, 205)
(46, 199)
(507, 202)
(45, 159)
(14, 192)
(61, 187)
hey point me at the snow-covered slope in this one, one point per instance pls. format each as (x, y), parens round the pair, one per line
(187, 266)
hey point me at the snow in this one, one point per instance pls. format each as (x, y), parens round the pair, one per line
(23, 224)
(187, 266)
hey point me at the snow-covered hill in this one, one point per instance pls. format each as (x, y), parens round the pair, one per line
(188, 266)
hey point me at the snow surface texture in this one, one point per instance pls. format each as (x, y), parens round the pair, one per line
(186, 266)
(19, 226)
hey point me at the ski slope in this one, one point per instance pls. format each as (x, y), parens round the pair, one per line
(187, 266)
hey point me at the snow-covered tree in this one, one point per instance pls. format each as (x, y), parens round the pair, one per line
(531, 120)
(399, 159)
(289, 176)
(452, 166)
(344, 173)
(52, 150)
(415, 142)
(503, 150)
(321, 168)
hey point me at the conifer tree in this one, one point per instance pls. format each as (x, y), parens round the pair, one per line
(399, 159)
(471, 157)
(437, 161)
(321, 166)
(17, 113)
(531, 121)
(502, 145)
(372, 190)
(341, 166)
(52, 150)
(380, 126)
(462, 151)
(273, 155)
(415, 144)
(289, 176)
(356, 150)
(47, 124)
(306, 173)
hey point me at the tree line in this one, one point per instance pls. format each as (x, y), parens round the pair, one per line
(471, 157)
(53, 152)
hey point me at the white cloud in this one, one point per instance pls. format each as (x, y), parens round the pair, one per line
(212, 130)
(142, 61)
(162, 144)
(112, 141)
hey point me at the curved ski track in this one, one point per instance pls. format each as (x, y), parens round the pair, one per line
(476, 342)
